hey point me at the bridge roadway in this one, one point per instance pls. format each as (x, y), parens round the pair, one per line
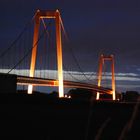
(25, 80)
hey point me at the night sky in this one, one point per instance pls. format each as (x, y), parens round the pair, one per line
(93, 27)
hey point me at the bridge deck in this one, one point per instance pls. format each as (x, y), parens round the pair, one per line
(24, 80)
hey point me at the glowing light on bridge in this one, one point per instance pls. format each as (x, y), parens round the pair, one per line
(97, 96)
(30, 89)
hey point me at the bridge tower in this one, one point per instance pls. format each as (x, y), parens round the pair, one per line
(48, 15)
(101, 62)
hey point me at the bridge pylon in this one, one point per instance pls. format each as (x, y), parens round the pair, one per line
(101, 62)
(49, 15)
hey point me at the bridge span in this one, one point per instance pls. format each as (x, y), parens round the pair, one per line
(25, 80)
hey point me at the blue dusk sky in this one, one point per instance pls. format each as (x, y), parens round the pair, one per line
(93, 27)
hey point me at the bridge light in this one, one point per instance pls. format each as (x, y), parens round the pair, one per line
(61, 91)
(67, 96)
(30, 89)
(97, 96)
(54, 83)
(114, 97)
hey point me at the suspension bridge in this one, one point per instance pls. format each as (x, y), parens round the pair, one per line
(32, 58)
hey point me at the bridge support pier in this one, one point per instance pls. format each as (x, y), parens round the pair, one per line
(101, 62)
(55, 15)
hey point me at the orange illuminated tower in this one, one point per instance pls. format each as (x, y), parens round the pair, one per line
(49, 15)
(101, 62)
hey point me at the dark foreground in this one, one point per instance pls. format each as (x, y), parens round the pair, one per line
(39, 117)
